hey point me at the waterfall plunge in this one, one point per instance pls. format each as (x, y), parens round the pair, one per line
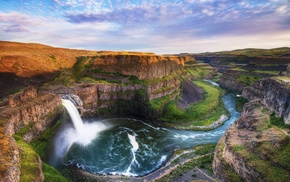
(74, 114)
(82, 133)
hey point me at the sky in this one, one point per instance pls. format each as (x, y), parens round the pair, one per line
(159, 26)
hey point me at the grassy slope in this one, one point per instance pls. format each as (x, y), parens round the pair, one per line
(202, 113)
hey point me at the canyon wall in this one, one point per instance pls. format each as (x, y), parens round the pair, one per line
(253, 148)
(272, 93)
(141, 66)
(30, 114)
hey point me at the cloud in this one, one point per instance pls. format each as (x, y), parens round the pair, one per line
(157, 26)
(195, 17)
(15, 22)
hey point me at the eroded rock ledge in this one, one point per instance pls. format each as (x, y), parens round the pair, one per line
(252, 149)
(274, 94)
(26, 109)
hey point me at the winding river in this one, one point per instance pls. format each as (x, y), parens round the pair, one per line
(128, 146)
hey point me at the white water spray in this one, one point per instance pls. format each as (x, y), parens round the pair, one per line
(82, 133)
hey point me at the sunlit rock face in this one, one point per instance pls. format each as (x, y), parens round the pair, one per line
(25, 109)
(272, 93)
(141, 66)
(29, 107)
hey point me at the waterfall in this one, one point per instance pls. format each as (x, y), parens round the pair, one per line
(74, 114)
(82, 133)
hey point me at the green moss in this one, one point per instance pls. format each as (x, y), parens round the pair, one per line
(20, 133)
(247, 79)
(204, 149)
(277, 156)
(238, 148)
(228, 173)
(279, 122)
(51, 174)
(41, 143)
(240, 102)
(159, 103)
(28, 161)
(266, 168)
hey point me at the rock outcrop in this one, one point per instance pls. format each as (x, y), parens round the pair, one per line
(273, 93)
(9, 158)
(237, 80)
(252, 149)
(229, 80)
(29, 108)
(141, 66)
(31, 114)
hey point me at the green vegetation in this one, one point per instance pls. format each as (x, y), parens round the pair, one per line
(202, 113)
(79, 67)
(51, 174)
(199, 71)
(41, 143)
(173, 75)
(247, 79)
(258, 52)
(265, 167)
(240, 102)
(205, 148)
(228, 173)
(30, 163)
(279, 122)
(31, 166)
(30, 155)
(64, 77)
(157, 105)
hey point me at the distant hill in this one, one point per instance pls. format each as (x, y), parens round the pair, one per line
(23, 64)
(26, 59)
(252, 52)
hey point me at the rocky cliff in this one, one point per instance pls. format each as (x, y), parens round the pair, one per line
(141, 66)
(273, 93)
(28, 114)
(238, 79)
(254, 148)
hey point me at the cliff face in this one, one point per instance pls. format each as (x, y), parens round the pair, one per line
(274, 94)
(31, 114)
(237, 80)
(229, 80)
(141, 66)
(104, 96)
(252, 149)
(10, 159)
(29, 108)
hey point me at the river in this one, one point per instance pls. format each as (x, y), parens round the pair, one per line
(129, 147)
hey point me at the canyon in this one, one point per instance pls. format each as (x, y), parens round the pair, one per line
(143, 85)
